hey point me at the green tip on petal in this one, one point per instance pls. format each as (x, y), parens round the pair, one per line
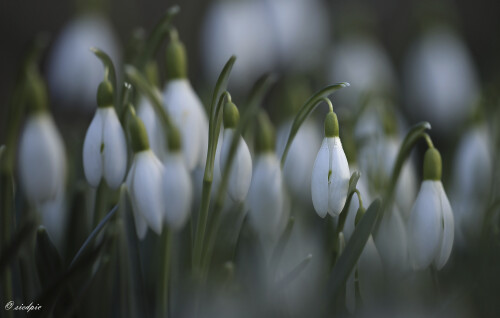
(105, 94)
(265, 134)
(174, 139)
(231, 115)
(138, 135)
(331, 125)
(432, 164)
(176, 58)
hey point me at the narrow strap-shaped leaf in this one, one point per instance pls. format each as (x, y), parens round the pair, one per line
(48, 261)
(294, 273)
(306, 110)
(353, 249)
(94, 233)
(156, 37)
(18, 240)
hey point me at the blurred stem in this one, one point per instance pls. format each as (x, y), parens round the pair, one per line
(123, 258)
(6, 198)
(100, 203)
(166, 251)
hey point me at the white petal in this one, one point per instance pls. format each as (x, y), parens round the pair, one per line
(424, 227)
(156, 133)
(42, 161)
(240, 175)
(319, 180)
(184, 107)
(370, 273)
(141, 226)
(92, 160)
(177, 191)
(392, 242)
(338, 178)
(265, 197)
(146, 189)
(115, 149)
(447, 224)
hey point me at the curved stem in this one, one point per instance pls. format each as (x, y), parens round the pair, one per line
(165, 252)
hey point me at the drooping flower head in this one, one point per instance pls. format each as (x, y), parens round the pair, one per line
(144, 181)
(240, 174)
(105, 146)
(431, 224)
(330, 175)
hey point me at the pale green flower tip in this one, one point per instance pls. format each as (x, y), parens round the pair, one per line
(105, 94)
(138, 135)
(231, 115)
(36, 92)
(432, 164)
(331, 125)
(174, 140)
(265, 134)
(176, 58)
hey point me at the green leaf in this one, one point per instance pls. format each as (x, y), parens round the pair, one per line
(19, 239)
(294, 273)
(156, 37)
(48, 261)
(306, 110)
(348, 259)
(353, 182)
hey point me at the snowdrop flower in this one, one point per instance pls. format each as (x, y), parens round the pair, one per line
(265, 196)
(185, 107)
(430, 226)
(177, 187)
(240, 174)
(152, 122)
(440, 79)
(73, 71)
(330, 175)
(242, 28)
(105, 146)
(300, 30)
(369, 267)
(360, 60)
(300, 159)
(145, 182)
(472, 173)
(42, 158)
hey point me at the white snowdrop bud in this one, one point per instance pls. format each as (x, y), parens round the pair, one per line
(105, 146)
(240, 174)
(73, 71)
(152, 122)
(188, 114)
(330, 175)
(431, 225)
(265, 197)
(42, 158)
(145, 182)
(177, 191)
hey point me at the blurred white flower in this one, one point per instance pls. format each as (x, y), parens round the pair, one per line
(300, 160)
(265, 196)
(105, 149)
(440, 79)
(330, 178)
(362, 62)
(242, 28)
(145, 183)
(177, 191)
(430, 227)
(53, 217)
(301, 32)
(42, 158)
(152, 122)
(472, 173)
(240, 174)
(189, 115)
(73, 70)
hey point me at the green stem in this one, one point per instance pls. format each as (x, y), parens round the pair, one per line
(6, 200)
(201, 224)
(100, 203)
(166, 251)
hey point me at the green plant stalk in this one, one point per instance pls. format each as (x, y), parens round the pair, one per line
(213, 134)
(257, 94)
(6, 197)
(306, 110)
(123, 257)
(162, 294)
(416, 132)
